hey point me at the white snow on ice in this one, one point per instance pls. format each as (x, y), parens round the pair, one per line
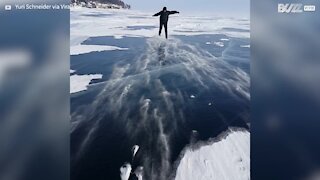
(135, 150)
(226, 159)
(220, 44)
(80, 82)
(139, 172)
(87, 23)
(72, 71)
(125, 171)
(83, 49)
(245, 46)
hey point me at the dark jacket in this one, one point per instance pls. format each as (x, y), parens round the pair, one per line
(164, 16)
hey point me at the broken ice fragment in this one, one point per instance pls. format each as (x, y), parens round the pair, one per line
(135, 149)
(125, 171)
(220, 44)
(139, 172)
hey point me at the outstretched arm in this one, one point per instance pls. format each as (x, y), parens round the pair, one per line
(157, 14)
(174, 12)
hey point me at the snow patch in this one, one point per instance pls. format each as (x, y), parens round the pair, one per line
(220, 44)
(80, 82)
(83, 49)
(125, 171)
(77, 39)
(245, 46)
(226, 159)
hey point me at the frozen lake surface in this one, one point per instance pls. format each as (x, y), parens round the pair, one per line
(144, 100)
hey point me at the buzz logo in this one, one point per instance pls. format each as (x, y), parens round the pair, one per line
(290, 8)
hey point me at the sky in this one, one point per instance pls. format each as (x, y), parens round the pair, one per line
(217, 7)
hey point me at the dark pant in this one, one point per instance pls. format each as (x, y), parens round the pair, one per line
(165, 28)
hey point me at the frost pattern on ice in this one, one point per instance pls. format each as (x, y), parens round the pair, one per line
(226, 159)
(199, 68)
(132, 88)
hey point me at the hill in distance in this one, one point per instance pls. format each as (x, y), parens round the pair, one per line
(115, 2)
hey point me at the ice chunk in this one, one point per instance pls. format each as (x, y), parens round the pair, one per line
(192, 96)
(125, 171)
(220, 44)
(135, 149)
(139, 172)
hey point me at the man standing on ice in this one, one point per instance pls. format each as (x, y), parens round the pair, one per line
(164, 17)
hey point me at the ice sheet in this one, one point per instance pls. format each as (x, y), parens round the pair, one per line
(105, 22)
